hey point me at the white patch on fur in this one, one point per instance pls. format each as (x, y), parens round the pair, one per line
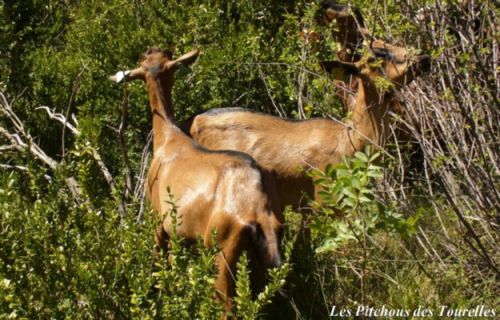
(120, 75)
(240, 186)
(188, 197)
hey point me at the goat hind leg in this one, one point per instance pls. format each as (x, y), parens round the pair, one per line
(162, 240)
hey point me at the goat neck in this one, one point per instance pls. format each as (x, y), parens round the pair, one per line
(369, 114)
(160, 96)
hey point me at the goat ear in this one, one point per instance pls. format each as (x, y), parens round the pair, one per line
(333, 9)
(128, 75)
(360, 22)
(168, 53)
(187, 58)
(336, 67)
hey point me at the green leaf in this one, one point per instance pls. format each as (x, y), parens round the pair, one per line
(361, 156)
(374, 157)
(321, 181)
(375, 174)
(328, 246)
(364, 199)
(356, 183)
(329, 170)
(348, 202)
(337, 189)
(350, 192)
(343, 173)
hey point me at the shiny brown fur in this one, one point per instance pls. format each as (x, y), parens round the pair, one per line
(218, 190)
(291, 147)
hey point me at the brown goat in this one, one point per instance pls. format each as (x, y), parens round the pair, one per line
(221, 190)
(291, 147)
(351, 34)
(350, 30)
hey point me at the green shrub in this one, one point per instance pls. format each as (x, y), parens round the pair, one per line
(66, 262)
(350, 211)
(423, 234)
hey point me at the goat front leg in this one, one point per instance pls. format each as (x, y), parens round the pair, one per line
(226, 277)
(231, 243)
(231, 249)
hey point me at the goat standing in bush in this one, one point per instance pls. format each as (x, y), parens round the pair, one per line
(221, 190)
(291, 147)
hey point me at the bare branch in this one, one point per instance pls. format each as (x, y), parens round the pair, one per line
(7, 148)
(13, 167)
(95, 154)
(97, 157)
(76, 85)
(278, 107)
(124, 149)
(61, 118)
(140, 190)
(23, 142)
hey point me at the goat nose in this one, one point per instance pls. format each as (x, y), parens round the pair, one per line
(275, 261)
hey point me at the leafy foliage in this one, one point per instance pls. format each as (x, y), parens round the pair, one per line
(246, 307)
(348, 190)
(414, 225)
